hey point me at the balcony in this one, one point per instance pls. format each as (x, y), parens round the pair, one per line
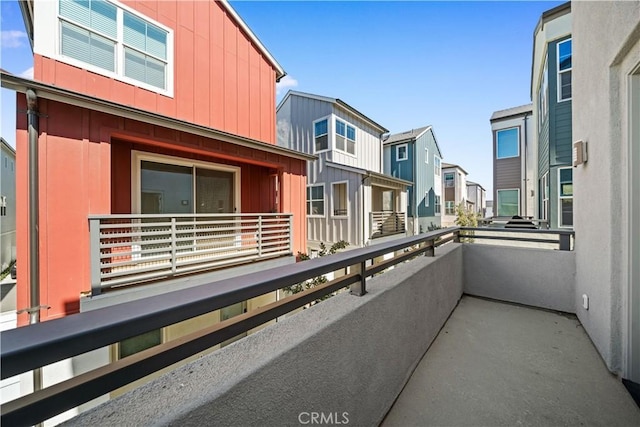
(386, 223)
(130, 249)
(449, 334)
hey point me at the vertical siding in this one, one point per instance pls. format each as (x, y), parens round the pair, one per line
(403, 169)
(221, 80)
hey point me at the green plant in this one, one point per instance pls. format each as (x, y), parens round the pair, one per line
(316, 281)
(466, 218)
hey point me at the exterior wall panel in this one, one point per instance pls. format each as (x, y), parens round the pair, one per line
(218, 87)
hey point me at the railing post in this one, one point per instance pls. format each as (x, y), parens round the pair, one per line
(94, 246)
(431, 250)
(359, 288)
(565, 242)
(260, 235)
(456, 236)
(173, 245)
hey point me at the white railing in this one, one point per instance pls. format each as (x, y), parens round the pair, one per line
(127, 249)
(386, 222)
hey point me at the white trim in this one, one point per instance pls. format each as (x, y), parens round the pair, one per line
(437, 169)
(138, 156)
(48, 17)
(333, 200)
(426, 199)
(558, 72)
(313, 134)
(324, 200)
(426, 155)
(517, 128)
(436, 205)
(544, 183)
(497, 203)
(406, 151)
(561, 198)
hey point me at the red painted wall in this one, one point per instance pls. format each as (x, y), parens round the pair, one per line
(221, 80)
(84, 168)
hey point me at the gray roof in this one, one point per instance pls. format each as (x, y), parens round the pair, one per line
(509, 112)
(452, 166)
(471, 183)
(406, 136)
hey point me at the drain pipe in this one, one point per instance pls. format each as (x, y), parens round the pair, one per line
(526, 194)
(34, 230)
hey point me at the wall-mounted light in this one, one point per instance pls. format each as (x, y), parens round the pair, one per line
(579, 153)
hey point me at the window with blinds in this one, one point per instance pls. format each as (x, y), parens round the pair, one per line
(100, 33)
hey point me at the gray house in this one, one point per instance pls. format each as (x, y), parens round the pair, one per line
(551, 94)
(348, 196)
(415, 156)
(7, 204)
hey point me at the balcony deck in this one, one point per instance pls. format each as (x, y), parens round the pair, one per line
(496, 364)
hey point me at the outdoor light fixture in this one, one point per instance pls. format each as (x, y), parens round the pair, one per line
(579, 153)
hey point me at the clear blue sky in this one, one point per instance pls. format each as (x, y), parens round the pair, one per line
(403, 64)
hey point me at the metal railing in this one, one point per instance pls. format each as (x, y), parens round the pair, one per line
(34, 346)
(560, 239)
(527, 222)
(386, 222)
(127, 249)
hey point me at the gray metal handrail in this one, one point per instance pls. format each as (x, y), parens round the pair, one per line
(563, 240)
(24, 349)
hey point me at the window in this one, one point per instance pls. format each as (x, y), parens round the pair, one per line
(3, 205)
(436, 165)
(449, 207)
(340, 207)
(507, 143)
(544, 193)
(139, 343)
(315, 200)
(564, 70)
(402, 152)
(345, 137)
(449, 179)
(321, 135)
(565, 195)
(543, 105)
(426, 199)
(426, 155)
(508, 202)
(117, 40)
(437, 205)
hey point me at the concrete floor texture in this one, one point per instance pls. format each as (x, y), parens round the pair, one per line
(499, 364)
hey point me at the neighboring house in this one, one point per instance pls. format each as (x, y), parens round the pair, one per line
(606, 116)
(415, 156)
(151, 108)
(515, 163)
(454, 184)
(489, 212)
(348, 196)
(551, 93)
(477, 198)
(7, 204)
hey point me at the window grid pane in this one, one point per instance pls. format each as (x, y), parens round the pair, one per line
(507, 143)
(507, 202)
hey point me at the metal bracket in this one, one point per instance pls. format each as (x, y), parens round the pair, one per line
(33, 309)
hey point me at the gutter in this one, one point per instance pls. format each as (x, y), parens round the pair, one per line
(54, 93)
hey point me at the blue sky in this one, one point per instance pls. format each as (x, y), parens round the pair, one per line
(403, 64)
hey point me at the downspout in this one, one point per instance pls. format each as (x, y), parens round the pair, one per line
(415, 192)
(364, 231)
(34, 227)
(526, 195)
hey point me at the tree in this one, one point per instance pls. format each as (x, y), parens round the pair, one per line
(316, 281)
(466, 218)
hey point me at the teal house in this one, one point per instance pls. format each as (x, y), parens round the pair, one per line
(415, 156)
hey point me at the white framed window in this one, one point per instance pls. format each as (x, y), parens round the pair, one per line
(543, 91)
(565, 197)
(507, 143)
(426, 199)
(345, 137)
(426, 155)
(449, 179)
(320, 135)
(544, 195)
(437, 205)
(564, 70)
(315, 200)
(436, 165)
(111, 39)
(449, 207)
(402, 152)
(508, 203)
(340, 199)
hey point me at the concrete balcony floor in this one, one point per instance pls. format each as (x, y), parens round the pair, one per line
(499, 364)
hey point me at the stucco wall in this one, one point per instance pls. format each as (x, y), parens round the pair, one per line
(536, 277)
(331, 358)
(606, 50)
